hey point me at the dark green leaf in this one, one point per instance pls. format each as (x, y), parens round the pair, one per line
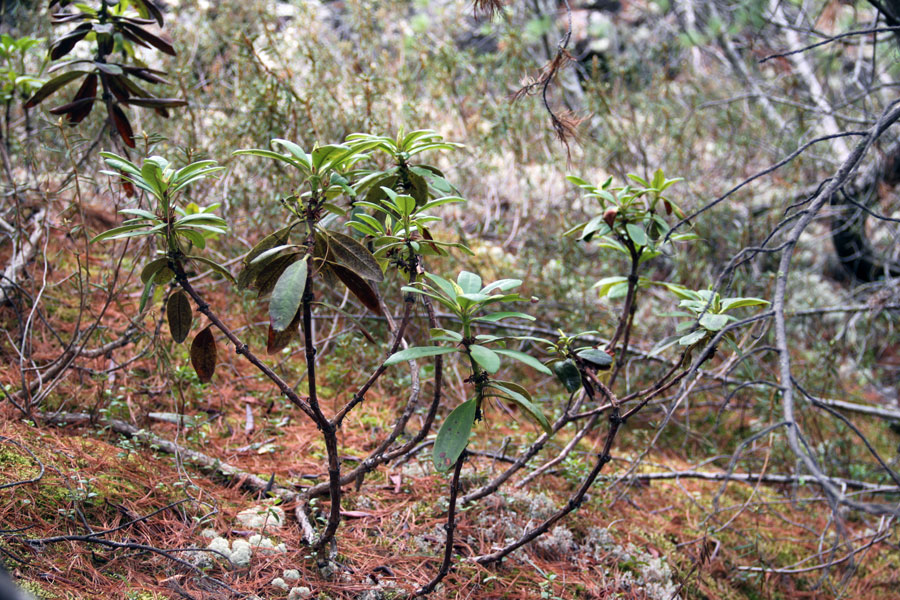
(529, 407)
(350, 254)
(164, 276)
(179, 315)
(596, 358)
(249, 273)
(418, 189)
(145, 295)
(453, 436)
(152, 268)
(214, 266)
(269, 274)
(567, 372)
(51, 86)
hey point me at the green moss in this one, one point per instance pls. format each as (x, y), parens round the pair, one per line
(37, 590)
(10, 456)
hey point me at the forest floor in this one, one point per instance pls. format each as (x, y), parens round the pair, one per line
(636, 539)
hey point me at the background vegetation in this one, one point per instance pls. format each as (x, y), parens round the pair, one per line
(766, 470)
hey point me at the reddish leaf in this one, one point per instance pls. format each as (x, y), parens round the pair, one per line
(64, 45)
(161, 42)
(117, 87)
(88, 88)
(158, 102)
(360, 288)
(75, 111)
(122, 125)
(279, 340)
(203, 354)
(149, 75)
(51, 86)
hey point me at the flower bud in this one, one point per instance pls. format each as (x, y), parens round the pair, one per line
(610, 215)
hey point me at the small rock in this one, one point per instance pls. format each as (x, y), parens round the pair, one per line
(298, 593)
(280, 584)
(291, 574)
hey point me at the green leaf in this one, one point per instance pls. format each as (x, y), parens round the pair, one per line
(453, 436)
(530, 408)
(637, 234)
(152, 268)
(692, 338)
(638, 179)
(269, 254)
(406, 204)
(179, 314)
(607, 283)
(248, 274)
(295, 150)
(594, 357)
(416, 353)
(214, 266)
(453, 336)
(731, 303)
(596, 226)
(287, 295)
(273, 155)
(498, 316)
(485, 357)
(679, 290)
(502, 285)
(120, 232)
(469, 282)
(145, 295)
(714, 322)
(567, 372)
(163, 276)
(153, 176)
(620, 290)
(526, 359)
(447, 287)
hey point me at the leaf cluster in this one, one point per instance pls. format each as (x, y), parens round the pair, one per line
(114, 27)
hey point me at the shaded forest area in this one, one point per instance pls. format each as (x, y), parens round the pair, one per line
(388, 299)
